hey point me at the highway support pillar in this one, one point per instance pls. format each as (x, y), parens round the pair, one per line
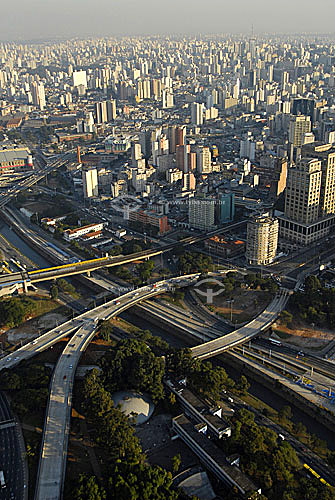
(25, 286)
(88, 274)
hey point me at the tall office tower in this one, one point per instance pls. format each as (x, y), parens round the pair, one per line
(146, 89)
(90, 182)
(303, 188)
(248, 148)
(298, 127)
(136, 153)
(279, 177)
(326, 154)
(303, 106)
(111, 110)
(204, 160)
(167, 99)
(156, 89)
(191, 161)
(201, 213)
(101, 112)
(262, 240)
(236, 89)
(181, 157)
(226, 205)
(79, 78)
(180, 136)
(197, 113)
(285, 78)
(139, 92)
(38, 95)
(252, 78)
(309, 201)
(189, 182)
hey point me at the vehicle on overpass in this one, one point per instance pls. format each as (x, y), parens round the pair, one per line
(2, 479)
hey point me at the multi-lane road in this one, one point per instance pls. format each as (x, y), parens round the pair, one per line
(252, 329)
(8, 195)
(63, 270)
(12, 457)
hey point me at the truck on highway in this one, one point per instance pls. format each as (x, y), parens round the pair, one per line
(2, 479)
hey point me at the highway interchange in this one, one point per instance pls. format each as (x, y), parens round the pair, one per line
(83, 327)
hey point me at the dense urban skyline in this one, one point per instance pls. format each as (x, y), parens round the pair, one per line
(40, 19)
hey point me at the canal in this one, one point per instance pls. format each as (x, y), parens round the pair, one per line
(22, 246)
(256, 389)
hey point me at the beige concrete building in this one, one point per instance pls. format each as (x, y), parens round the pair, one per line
(201, 213)
(90, 182)
(262, 240)
(303, 189)
(310, 197)
(325, 153)
(299, 126)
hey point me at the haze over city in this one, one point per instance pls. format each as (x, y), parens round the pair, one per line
(38, 19)
(167, 262)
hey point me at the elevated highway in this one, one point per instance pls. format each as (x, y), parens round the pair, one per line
(24, 278)
(6, 197)
(51, 472)
(245, 333)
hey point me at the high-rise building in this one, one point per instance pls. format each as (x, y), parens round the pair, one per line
(279, 177)
(204, 160)
(101, 112)
(326, 154)
(303, 106)
(189, 182)
(299, 126)
(167, 99)
(201, 213)
(309, 202)
(90, 182)
(38, 95)
(111, 110)
(303, 188)
(182, 157)
(262, 240)
(136, 153)
(197, 112)
(79, 78)
(180, 136)
(226, 207)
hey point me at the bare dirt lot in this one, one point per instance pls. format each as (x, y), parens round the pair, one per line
(245, 306)
(304, 336)
(34, 327)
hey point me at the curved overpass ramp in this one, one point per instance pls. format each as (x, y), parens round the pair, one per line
(245, 333)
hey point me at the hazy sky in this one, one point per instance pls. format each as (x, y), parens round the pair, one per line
(30, 19)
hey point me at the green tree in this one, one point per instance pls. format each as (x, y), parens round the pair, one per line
(89, 489)
(312, 284)
(285, 413)
(243, 385)
(286, 317)
(132, 364)
(176, 462)
(10, 381)
(105, 331)
(54, 292)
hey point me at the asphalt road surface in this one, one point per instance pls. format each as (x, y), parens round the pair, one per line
(12, 461)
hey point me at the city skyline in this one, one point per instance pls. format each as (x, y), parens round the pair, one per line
(45, 20)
